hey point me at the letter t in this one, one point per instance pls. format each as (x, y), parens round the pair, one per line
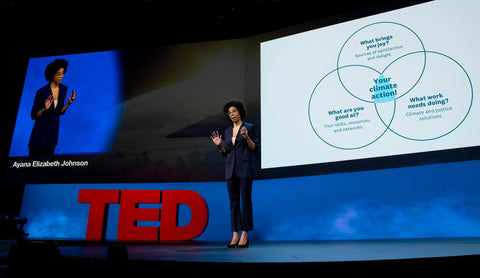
(97, 216)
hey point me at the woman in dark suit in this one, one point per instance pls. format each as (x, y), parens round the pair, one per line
(47, 107)
(240, 143)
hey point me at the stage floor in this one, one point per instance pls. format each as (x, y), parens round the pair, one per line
(286, 252)
(447, 257)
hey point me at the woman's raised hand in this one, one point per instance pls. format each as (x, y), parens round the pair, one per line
(48, 102)
(216, 138)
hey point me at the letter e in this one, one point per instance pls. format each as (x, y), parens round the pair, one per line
(129, 215)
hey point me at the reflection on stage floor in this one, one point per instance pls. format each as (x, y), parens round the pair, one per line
(287, 252)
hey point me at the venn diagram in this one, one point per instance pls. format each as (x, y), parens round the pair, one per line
(386, 84)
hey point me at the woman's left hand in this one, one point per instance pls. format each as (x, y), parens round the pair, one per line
(71, 98)
(251, 144)
(244, 132)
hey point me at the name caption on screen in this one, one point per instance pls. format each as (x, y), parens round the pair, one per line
(47, 164)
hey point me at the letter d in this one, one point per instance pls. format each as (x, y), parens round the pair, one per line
(169, 213)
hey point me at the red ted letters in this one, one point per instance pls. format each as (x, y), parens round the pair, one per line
(130, 213)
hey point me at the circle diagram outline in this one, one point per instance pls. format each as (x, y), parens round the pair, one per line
(387, 125)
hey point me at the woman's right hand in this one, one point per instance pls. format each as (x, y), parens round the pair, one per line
(48, 102)
(216, 138)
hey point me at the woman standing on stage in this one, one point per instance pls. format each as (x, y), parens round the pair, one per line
(240, 142)
(47, 107)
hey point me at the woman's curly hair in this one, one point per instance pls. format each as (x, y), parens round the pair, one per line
(237, 104)
(53, 67)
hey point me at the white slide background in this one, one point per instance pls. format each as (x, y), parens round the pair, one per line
(399, 82)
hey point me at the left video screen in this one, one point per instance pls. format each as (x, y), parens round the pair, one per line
(130, 115)
(70, 105)
(68, 116)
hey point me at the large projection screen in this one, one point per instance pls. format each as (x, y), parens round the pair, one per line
(400, 82)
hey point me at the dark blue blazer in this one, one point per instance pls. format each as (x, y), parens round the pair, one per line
(45, 129)
(239, 158)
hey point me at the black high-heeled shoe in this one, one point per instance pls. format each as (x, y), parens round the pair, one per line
(242, 245)
(233, 245)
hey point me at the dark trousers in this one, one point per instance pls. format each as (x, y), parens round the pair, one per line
(240, 194)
